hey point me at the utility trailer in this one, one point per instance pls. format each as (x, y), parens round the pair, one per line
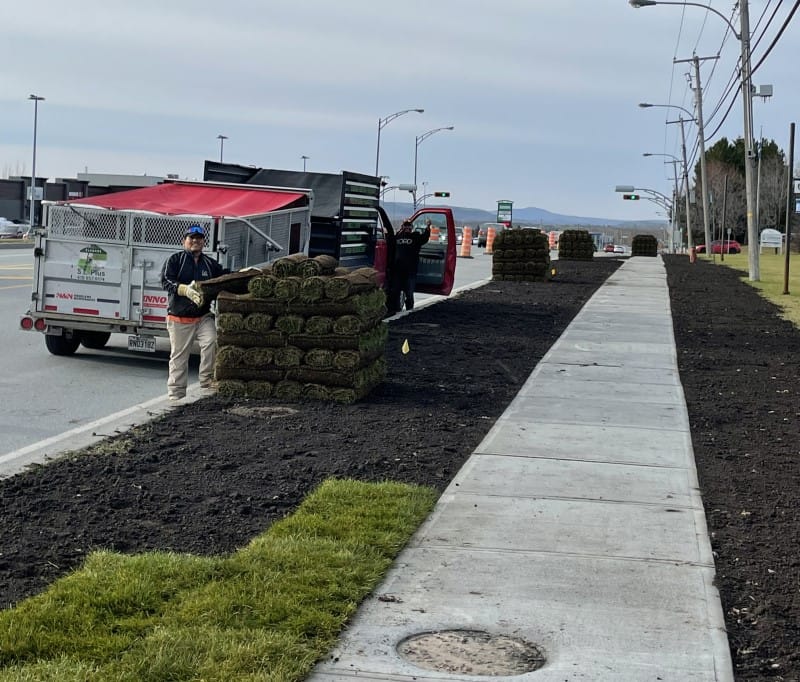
(98, 260)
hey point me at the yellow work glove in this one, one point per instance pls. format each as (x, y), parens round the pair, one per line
(191, 292)
(251, 267)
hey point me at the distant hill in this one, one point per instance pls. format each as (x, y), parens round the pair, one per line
(525, 216)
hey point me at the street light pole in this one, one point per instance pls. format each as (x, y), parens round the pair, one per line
(36, 99)
(703, 181)
(743, 36)
(418, 141)
(382, 122)
(674, 160)
(305, 158)
(689, 238)
(702, 141)
(221, 139)
(749, 154)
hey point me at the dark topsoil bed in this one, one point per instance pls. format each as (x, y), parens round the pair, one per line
(213, 474)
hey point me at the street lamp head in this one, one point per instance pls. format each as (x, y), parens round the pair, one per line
(383, 122)
(645, 105)
(36, 98)
(641, 3)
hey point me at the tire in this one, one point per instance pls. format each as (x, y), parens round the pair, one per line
(66, 344)
(95, 340)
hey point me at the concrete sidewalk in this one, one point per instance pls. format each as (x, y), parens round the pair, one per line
(574, 538)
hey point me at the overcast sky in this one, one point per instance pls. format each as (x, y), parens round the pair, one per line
(542, 94)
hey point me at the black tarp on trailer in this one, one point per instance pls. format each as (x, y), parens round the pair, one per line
(344, 223)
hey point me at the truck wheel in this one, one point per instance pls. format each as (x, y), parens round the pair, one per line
(66, 344)
(95, 340)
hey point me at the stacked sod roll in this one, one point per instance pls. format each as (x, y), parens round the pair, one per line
(521, 256)
(305, 329)
(644, 245)
(575, 245)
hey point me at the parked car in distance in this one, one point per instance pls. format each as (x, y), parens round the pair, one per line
(10, 230)
(608, 248)
(721, 246)
(619, 249)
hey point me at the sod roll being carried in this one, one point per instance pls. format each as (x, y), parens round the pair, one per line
(234, 283)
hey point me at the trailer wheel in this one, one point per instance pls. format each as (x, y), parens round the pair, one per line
(66, 344)
(95, 340)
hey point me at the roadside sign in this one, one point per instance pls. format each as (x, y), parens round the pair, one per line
(504, 211)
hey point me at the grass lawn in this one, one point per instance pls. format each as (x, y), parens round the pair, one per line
(771, 267)
(266, 612)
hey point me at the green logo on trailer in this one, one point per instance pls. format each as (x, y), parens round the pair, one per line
(91, 264)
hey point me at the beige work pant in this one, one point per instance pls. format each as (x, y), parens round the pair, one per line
(181, 337)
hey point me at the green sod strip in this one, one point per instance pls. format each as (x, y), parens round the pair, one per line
(266, 612)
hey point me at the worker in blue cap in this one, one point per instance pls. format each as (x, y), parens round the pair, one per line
(189, 317)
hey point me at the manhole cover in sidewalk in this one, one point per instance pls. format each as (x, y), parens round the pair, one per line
(473, 652)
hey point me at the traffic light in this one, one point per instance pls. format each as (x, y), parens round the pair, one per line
(631, 197)
(441, 194)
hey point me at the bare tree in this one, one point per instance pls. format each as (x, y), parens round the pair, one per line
(771, 191)
(735, 201)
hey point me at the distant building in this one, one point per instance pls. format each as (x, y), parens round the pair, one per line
(120, 179)
(14, 192)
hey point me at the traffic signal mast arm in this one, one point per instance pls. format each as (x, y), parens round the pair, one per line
(433, 194)
(661, 199)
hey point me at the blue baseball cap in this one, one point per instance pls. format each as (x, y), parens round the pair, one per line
(194, 229)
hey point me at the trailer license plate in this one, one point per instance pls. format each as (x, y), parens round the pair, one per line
(143, 344)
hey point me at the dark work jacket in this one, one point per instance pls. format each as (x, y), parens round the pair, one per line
(181, 268)
(407, 244)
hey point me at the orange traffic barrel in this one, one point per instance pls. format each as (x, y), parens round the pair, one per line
(466, 243)
(490, 234)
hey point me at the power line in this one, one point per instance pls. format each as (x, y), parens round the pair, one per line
(754, 43)
(777, 36)
(760, 61)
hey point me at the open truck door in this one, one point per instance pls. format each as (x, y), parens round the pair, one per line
(437, 258)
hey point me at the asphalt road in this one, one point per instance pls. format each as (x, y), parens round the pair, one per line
(43, 395)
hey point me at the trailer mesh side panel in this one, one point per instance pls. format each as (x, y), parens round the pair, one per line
(99, 225)
(247, 247)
